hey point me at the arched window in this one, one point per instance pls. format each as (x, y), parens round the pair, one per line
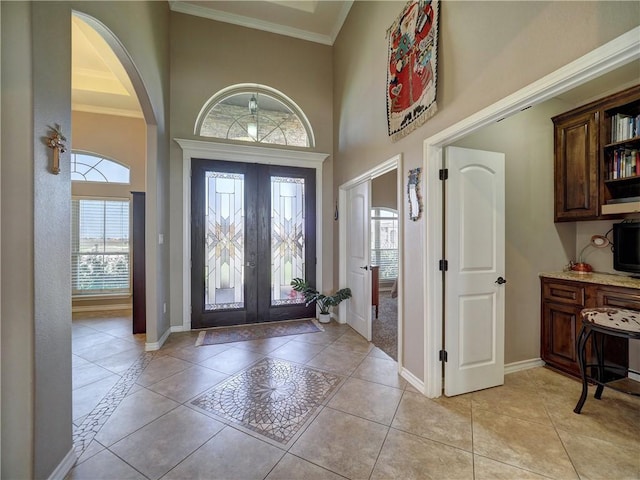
(384, 241)
(86, 167)
(257, 114)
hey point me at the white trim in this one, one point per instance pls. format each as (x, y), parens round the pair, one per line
(152, 346)
(178, 328)
(235, 19)
(394, 163)
(65, 466)
(634, 376)
(414, 381)
(523, 365)
(101, 308)
(618, 52)
(239, 153)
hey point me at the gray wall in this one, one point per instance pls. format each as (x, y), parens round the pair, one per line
(486, 51)
(207, 56)
(36, 287)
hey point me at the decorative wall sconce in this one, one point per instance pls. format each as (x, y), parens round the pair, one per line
(55, 142)
(413, 194)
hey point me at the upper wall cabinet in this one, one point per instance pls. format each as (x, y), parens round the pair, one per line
(597, 160)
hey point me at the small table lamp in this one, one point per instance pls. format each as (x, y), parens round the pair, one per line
(597, 241)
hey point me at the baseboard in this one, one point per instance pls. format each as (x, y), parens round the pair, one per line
(522, 365)
(412, 379)
(101, 308)
(150, 347)
(65, 466)
(179, 328)
(634, 376)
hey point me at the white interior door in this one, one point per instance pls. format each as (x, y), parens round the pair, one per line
(358, 272)
(474, 291)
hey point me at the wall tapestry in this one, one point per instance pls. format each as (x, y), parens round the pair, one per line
(411, 72)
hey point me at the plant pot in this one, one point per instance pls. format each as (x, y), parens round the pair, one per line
(324, 317)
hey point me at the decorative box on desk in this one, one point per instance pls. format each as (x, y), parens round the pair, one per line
(563, 296)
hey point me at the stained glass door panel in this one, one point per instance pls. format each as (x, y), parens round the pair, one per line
(287, 239)
(252, 232)
(224, 240)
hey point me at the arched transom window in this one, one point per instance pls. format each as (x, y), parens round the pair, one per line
(257, 114)
(86, 167)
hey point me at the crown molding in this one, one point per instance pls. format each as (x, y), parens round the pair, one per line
(119, 112)
(241, 20)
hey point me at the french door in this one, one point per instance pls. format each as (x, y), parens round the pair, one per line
(252, 231)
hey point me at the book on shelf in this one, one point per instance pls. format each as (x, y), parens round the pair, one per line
(624, 127)
(624, 163)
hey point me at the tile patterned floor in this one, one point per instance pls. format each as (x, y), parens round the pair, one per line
(343, 412)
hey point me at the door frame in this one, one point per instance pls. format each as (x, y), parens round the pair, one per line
(394, 163)
(616, 53)
(207, 150)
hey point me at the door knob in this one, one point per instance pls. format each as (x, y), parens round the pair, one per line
(366, 267)
(500, 281)
(251, 264)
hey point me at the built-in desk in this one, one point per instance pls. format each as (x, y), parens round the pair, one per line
(563, 296)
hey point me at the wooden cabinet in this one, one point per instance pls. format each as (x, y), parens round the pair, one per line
(562, 302)
(576, 166)
(595, 174)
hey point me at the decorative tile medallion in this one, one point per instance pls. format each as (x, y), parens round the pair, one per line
(272, 397)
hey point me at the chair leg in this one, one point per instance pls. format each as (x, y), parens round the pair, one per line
(599, 346)
(581, 347)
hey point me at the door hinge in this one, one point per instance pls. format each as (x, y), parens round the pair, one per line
(444, 173)
(443, 355)
(443, 265)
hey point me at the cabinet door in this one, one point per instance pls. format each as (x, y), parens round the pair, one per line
(576, 167)
(560, 325)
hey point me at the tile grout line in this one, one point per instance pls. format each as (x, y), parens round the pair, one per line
(91, 425)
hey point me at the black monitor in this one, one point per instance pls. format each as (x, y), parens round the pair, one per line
(626, 247)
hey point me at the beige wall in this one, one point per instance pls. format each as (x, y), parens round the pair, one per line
(207, 56)
(534, 243)
(487, 50)
(384, 190)
(36, 311)
(118, 138)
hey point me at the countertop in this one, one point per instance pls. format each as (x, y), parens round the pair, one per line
(598, 278)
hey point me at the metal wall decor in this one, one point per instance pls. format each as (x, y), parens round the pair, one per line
(54, 141)
(413, 194)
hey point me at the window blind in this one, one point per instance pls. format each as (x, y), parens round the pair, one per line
(384, 242)
(100, 247)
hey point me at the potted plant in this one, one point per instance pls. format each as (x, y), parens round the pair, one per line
(324, 302)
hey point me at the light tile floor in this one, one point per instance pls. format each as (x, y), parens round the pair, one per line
(135, 415)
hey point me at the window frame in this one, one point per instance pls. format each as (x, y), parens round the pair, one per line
(251, 88)
(373, 217)
(75, 234)
(101, 157)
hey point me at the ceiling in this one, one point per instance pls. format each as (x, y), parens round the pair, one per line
(318, 21)
(101, 85)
